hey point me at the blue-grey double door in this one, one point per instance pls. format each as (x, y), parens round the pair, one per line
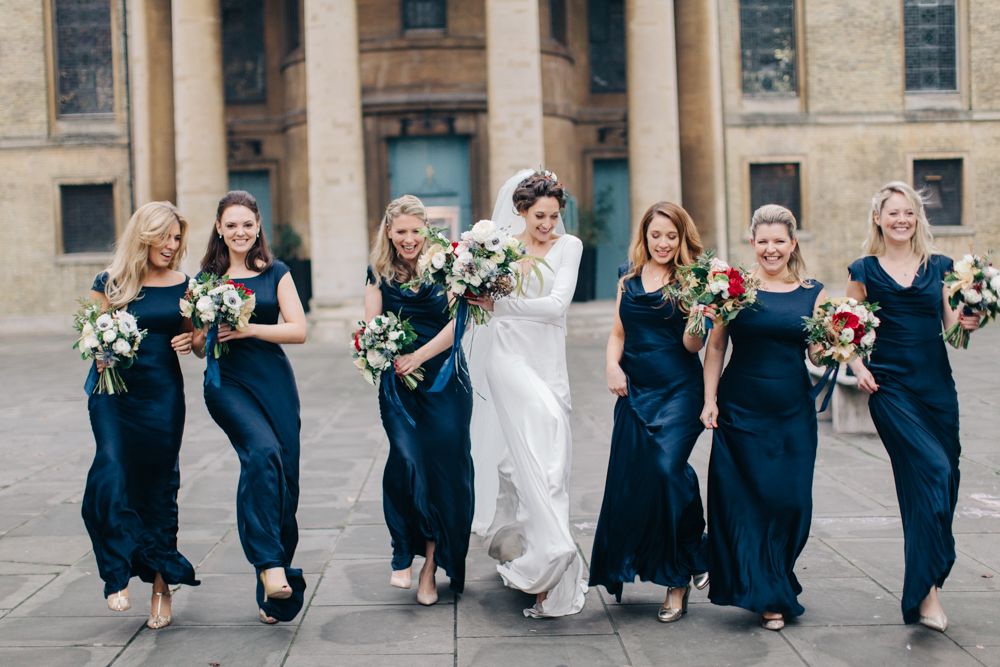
(435, 169)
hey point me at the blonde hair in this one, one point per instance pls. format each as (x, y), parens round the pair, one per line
(688, 241)
(384, 260)
(773, 214)
(149, 226)
(922, 242)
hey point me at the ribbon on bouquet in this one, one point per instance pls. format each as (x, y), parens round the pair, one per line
(91, 384)
(212, 374)
(391, 394)
(829, 378)
(450, 364)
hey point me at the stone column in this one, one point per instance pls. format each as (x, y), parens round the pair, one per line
(338, 216)
(699, 79)
(151, 100)
(199, 119)
(514, 88)
(653, 129)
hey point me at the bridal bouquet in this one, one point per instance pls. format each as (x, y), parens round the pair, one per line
(709, 281)
(378, 343)
(112, 338)
(211, 300)
(974, 284)
(843, 328)
(481, 263)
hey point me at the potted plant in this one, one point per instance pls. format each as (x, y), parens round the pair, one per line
(285, 246)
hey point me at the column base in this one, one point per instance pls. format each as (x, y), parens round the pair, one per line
(333, 323)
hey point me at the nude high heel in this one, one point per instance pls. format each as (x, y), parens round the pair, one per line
(157, 619)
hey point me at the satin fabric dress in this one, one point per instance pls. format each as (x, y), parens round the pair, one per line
(257, 405)
(915, 411)
(652, 524)
(763, 454)
(130, 501)
(522, 443)
(427, 482)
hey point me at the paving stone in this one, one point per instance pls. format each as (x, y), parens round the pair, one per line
(257, 646)
(386, 629)
(583, 651)
(875, 645)
(66, 656)
(366, 582)
(489, 609)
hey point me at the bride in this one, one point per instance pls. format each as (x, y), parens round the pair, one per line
(521, 436)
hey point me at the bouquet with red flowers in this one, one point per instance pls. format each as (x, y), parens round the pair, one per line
(709, 281)
(843, 329)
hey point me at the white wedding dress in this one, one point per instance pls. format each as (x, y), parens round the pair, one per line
(521, 439)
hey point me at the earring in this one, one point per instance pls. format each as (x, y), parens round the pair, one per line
(220, 236)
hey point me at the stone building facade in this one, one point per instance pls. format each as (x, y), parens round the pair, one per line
(326, 109)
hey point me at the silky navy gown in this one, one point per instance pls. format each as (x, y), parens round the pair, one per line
(427, 482)
(130, 502)
(257, 405)
(763, 453)
(915, 411)
(652, 523)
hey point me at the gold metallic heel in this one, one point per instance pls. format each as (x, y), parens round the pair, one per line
(700, 581)
(157, 620)
(667, 614)
(119, 601)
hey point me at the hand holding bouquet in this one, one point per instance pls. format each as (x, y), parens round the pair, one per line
(481, 264)
(974, 285)
(843, 329)
(709, 281)
(210, 300)
(110, 338)
(378, 343)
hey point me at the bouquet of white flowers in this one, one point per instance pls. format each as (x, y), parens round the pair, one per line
(112, 338)
(211, 300)
(843, 328)
(481, 264)
(974, 285)
(378, 343)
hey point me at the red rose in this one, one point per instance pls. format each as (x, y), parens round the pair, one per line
(843, 321)
(357, 340)
(454, 244)
(735, 282)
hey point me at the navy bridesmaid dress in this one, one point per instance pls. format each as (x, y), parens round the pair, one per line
(427, 483)
(916, 413)
(257, 405)
(130, 502)
(760, 472)
(652, 523)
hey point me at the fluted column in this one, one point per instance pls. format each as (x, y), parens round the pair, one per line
(653, 129)
(338, 217)
(199, 118)
(514, 88)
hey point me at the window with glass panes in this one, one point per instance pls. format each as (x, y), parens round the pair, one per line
(776, 183)
(244, 68)
(88, 218)
(767, 47)
(84, 72)
(557, 20)
(941, 183)
(423, 14)
(606, 25)
(929, 36)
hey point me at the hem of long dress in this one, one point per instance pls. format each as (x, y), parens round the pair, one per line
(783, 608)
(456, 584)
(912, 614)
(616, 586)
(174, 569)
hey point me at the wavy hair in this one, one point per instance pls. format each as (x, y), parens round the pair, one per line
(688, 240)
(148, 227)
(216, 259)
(385, 261)
(922, 242)
(773, 214)
(539, 185)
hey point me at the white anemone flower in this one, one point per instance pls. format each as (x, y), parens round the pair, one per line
(104, 322)
(231, 299)
(483, 230)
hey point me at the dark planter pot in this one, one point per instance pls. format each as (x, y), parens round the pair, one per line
(301, 270)
(586, 281)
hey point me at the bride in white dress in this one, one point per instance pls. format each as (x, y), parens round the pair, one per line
(521, 439)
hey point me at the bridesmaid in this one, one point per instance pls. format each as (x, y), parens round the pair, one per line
(652, 523)
(130, 503)
(913, 400)
(764, 445)
(257, 403)
(427, 482)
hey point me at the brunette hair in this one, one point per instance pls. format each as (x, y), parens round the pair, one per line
(539, 185)
(689, 242)
(384, 260)
(216, 259)
(773, 214)
(149, 226)
(922, 242)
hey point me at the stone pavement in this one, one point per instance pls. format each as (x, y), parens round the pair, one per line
(52, 612)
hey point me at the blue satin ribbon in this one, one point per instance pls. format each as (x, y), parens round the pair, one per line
(91, 384)
(212, 374)
(829, 378)
(391, 394)
(451, 363)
